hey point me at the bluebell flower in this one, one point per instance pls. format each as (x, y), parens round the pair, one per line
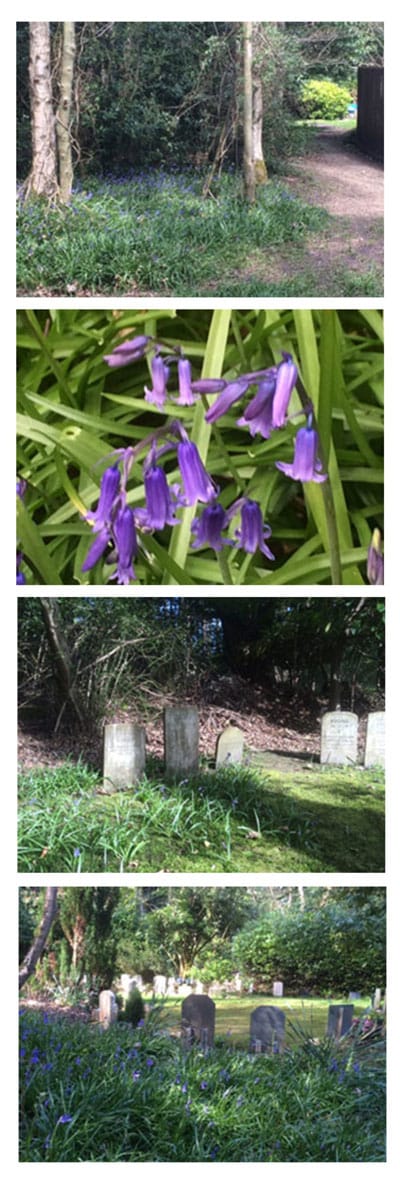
(252, 533)
(286, 379)
(21, 580)
(126, 352)
(64, 1119)
(208, 527)
(208, 385)
(161, 499)
(375, 561)
(97, 549)
(258, 414)
(160, 375)
(21, 488)
(306, 464)
(109, 489)
(186, 395)
(197, 484)
(125, 538)
(230, 394)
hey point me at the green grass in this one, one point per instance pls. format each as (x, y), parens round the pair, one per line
(305, 1018)
(154, 231)
(118, 1095)
(241, 819)
(336, 281)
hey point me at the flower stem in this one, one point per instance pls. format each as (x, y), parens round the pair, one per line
(331, 525)
(225, 568)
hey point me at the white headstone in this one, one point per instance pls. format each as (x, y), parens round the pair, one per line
(108, 1009)
(124, 755)
(277, 989)
(339, 733)
(160, 985)
(128, 983)
(375, 741)
(229, 746)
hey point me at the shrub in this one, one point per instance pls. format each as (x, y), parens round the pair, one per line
(321, 99)
(134, 1008)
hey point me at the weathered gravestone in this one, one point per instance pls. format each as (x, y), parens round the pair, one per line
(354, 995)
(129, 983)
(277, 989)
(108, 1009)
(339, 1020)
(375, 741)
(339, 734)
(267, 1029)
(198, 1020)
(124, 755)
(181, 739)
(376, 999)
(159, 985)
(229, 746)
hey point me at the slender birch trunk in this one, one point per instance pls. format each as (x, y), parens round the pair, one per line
(63, 120)
(42, 179)
(249, 178)
(260, 168)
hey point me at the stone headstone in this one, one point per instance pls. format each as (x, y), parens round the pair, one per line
(354, 995)
(229, 746)
(277, 989)
(108, 1009)
(181, 739)
(129, 983)
(159, 985)
(339, 734)
(267, 1027)
(124, 755)
(375, 740)
(198, 1019)
(339, 1020)
(184, 990)
(376, 999)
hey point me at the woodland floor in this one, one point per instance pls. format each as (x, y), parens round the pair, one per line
(345, 258)
(286, 731)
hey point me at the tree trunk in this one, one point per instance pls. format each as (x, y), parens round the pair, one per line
(42, 180)
(260, 168)
(50, 910)
(63, 122)
(65, 672)
(249, 178)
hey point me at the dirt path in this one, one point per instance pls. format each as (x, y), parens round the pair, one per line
(350, 187)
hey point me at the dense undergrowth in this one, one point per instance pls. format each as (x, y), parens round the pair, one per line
(137, 1095)
(154, 230)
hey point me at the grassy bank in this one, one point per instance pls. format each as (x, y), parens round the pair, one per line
(240, 819)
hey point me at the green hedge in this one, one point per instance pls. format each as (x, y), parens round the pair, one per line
(331, 950)
(321, 99)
